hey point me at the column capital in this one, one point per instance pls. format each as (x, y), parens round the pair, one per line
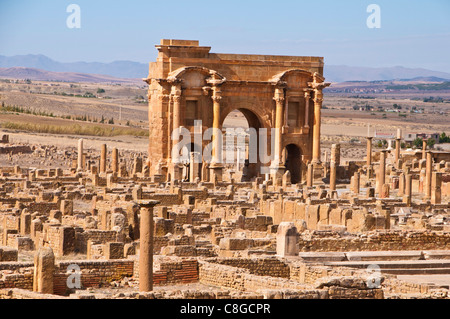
(164, 97)
(279, 99)
(176, 98)
(147, 203)
(318, 96)
(216, 94)
(216, 98)
(279, 94)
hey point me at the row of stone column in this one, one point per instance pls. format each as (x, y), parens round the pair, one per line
(103, 168)
(81, 162)
(431, 181)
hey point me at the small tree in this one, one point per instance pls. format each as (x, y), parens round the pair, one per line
(443, 138)
(431, 142)
(418, 142)
(100, 90)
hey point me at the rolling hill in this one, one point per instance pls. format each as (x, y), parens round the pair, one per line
(136, 70)
(43, 75)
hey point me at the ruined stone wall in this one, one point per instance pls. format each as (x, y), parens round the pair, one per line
(93, 273)
(8, 253)
(43, 208)
(16, 275)
(199, 194)
(15, 149)
(97, 236)
(378, 241)
(270, 287)
(61, 240)
(172, 272)
(311, 274)
(22, 281)
(228, 276)
(159, 243)
(10, 221)
(165, 199)
(271, 266)
(17, 293)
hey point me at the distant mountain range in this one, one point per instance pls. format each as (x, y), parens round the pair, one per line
(343, 73)
(118, 69)
(43, 75)
(36, 64)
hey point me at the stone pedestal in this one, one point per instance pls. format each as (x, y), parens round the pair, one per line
(215, 173)
(44, 264)
(436, 194)
(287, 239)
(276, 173)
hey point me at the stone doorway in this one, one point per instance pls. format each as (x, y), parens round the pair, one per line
(293, 162)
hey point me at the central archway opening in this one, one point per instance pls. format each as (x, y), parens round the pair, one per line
(293, 162)
(239, 127)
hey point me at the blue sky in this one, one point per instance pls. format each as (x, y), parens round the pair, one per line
(413, 33)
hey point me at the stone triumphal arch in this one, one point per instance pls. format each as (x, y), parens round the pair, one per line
(189, 84)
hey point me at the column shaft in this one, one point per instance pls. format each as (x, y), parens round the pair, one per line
(428, 172)
(332, 176)
(115, 160)
(307, 97)
(146, 249)
(279, 101)
(382, 172)
(216, 127)
(80, 155)
(316, 128)
(369, 151)
(103, 158)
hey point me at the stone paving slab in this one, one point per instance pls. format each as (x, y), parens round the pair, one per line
(393, 264)
(322, 256)
(384, 255)
(436, 254)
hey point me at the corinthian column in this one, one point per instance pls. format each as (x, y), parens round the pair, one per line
(279, 100)
(176, 120)
(216, 162)
(318, 99)
(317, 85)
(277, 167)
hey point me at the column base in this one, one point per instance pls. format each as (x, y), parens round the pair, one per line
(215, 173)
(177, 172)
(276, 174)
(318, 170)
(370, 173)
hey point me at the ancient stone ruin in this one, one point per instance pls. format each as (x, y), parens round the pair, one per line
(108, 223)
